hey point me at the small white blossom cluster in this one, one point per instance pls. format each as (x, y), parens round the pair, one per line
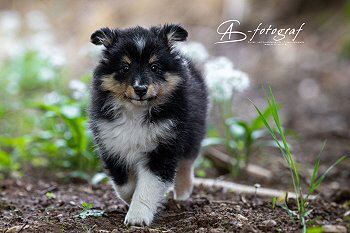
(52, 98)
(196, 51)
(221, 77)
(79, 89)
(223, 80)
(14, 44)
(40, 36)
(70, 111)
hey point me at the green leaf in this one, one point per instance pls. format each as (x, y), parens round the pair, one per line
(315, 170)
(321, 178)
(86, 205)
(201, 173)
(258, 122)
(212, 132)
(50, 195)
(317, 229)
(5, 160)
(273, 202)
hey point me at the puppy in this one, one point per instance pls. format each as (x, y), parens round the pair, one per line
(147, 113)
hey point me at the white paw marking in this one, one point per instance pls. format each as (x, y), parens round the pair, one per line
(148, 196)
(138, 216)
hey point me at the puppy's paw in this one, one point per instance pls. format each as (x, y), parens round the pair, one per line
(183, 195)
(138, 217)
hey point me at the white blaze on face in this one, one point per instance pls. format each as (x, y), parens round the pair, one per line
(140, 43)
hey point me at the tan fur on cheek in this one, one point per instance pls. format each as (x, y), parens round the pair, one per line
(126, 59)
(172, 81)
(153, 59)
(165, 89)
(152, 91)
(130, 92)
(110, 84)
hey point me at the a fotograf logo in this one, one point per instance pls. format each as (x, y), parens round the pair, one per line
(260, 35)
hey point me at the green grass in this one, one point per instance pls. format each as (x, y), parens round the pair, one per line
(41, 133)
(315, 181)
(241, 139)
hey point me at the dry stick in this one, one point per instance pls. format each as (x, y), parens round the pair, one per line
(240, 188)
(222, 161)
(24, 225)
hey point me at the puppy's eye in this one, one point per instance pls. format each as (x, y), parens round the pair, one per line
(155, 68)
(125, 69)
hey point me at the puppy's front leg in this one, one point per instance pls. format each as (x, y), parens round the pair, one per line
(123, 179)
(148, 196)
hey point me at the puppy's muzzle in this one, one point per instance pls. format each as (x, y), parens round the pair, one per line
(140, 90)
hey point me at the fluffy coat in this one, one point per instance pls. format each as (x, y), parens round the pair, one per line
(147, 114)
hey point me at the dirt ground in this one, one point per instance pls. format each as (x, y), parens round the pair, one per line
(39, 206)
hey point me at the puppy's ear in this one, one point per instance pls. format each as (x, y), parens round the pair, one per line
(104, 36)
(171, 33)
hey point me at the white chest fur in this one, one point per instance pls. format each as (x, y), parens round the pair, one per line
(129, 137)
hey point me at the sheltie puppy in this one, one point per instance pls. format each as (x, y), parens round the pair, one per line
(148, 115)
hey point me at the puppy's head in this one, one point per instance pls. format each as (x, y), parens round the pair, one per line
(138, 65)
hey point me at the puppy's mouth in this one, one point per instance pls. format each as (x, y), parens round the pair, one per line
(140, 101)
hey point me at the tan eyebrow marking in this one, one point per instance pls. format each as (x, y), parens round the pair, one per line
(153, 59)
(126, 59)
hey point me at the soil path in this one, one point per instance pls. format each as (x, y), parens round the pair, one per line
(38, 206)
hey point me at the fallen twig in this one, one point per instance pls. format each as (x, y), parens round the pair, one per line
(222, 162)
(240, 188)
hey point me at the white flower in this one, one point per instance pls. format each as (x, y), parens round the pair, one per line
(223, 80)
(241, 81)
(219, 63)
(79, 89)
(10, 48)
(52, 98)
(91, 51)
(70, 111)
(10, 22)
(46, 74)
(37, 21)
(57, 57)
(40, 40)
(194, 50)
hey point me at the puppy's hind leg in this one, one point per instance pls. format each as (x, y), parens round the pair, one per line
(184, 179)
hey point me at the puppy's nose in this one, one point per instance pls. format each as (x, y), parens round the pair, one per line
(140, 90)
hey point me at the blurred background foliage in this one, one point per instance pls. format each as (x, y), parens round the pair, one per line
(46, 63)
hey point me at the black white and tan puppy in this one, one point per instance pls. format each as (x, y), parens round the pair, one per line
(147, 113)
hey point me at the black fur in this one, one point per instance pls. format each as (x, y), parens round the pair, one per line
(186, 105)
